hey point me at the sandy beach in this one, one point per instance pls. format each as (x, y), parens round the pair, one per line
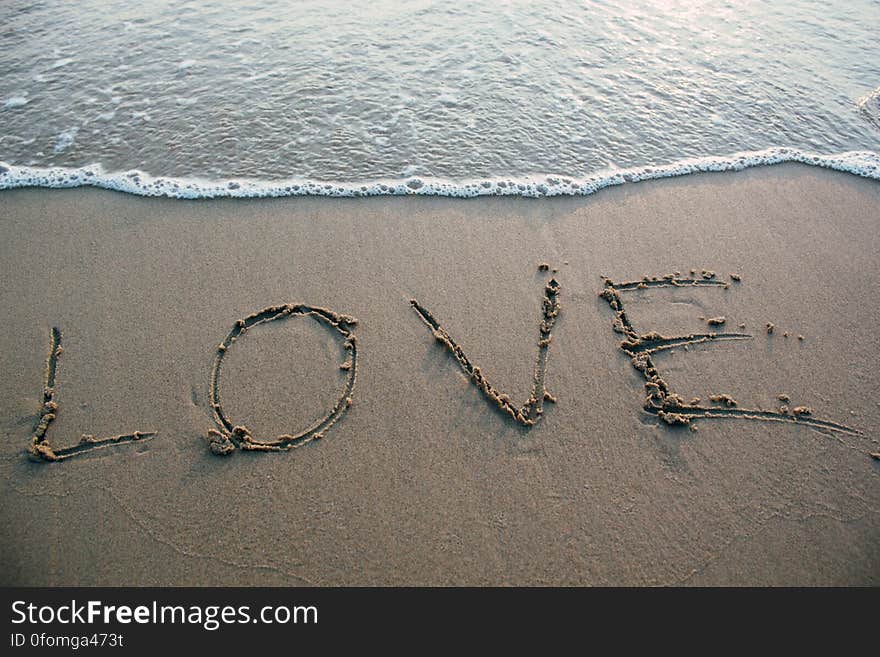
(421, 479)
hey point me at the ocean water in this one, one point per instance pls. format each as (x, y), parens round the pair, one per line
(230, 97)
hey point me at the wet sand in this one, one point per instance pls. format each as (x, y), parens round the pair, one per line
(507, 442)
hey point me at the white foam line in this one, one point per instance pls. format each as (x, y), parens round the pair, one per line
(861, 163)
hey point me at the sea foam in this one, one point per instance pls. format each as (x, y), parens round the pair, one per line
(861, 163)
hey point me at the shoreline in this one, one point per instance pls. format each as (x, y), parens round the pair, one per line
(865, 164)
(421, 480)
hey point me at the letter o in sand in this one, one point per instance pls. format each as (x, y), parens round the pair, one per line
(227, 436)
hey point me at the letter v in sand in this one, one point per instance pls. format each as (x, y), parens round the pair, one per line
(530, 412)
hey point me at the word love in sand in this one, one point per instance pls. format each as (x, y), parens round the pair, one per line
(660, 400)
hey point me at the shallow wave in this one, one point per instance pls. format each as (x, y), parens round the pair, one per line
(869, 106)
(861, 163)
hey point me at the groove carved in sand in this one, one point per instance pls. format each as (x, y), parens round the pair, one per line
(227, 436)
(41, 449)
(662, 401)
(531, 412)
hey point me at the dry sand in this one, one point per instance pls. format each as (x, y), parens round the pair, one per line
(422, 480)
